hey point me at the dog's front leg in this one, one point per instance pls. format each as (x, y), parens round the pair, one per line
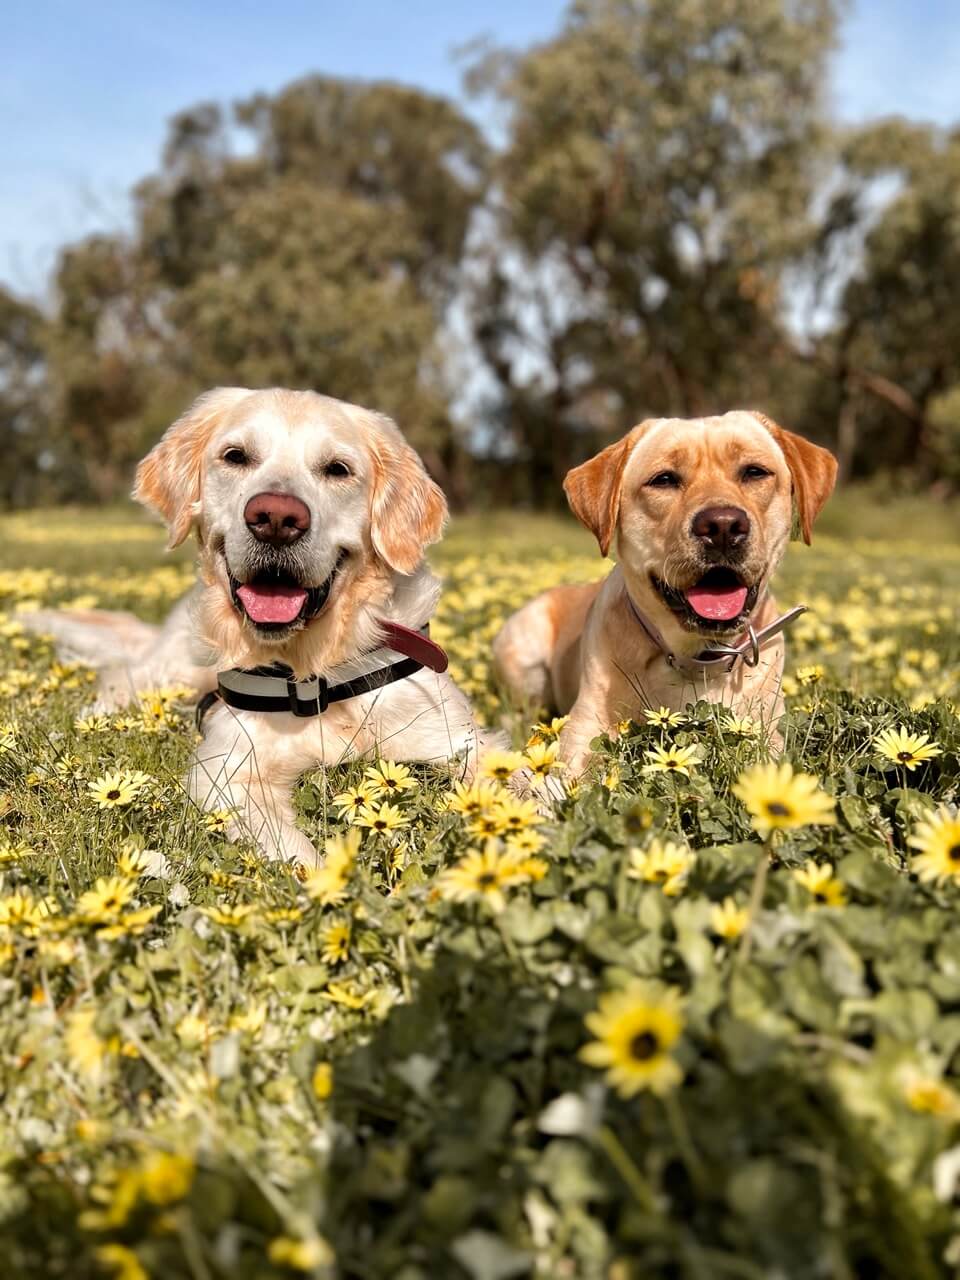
(228, 772)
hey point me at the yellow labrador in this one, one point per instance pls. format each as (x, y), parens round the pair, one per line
(312, 517)
(701, 511)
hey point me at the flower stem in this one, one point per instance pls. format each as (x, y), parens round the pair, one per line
(626, 1168)
(755, 903)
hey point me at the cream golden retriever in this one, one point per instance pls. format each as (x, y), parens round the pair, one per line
(701, 511)
(312, 517)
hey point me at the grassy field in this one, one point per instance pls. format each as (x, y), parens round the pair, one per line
(643, 1039)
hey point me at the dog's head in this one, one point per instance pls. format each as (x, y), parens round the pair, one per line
(299, 501)
(702, 510)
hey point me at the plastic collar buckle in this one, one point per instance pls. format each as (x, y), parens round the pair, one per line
(307, 707)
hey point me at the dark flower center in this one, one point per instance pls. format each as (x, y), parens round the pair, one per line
(953, 853)
(644, 1046)
(904, 756)
(777, 809)
(113, 795)
(486, 878)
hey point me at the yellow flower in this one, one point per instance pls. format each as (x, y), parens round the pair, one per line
(672, 760)
(385, 817)
(484, 874)
(87, 1049)
(322, 1081)
(727, 920)
(904, 748)
(515, 815)
(193, 1030)
(525, 842)
(663, 717)
(106, 899)
(932, 1096)
(663, 862)
(24, 913)
(92, 724)
(611, 779)
(392, 778)
(740, 726)
(132, 924)
(231, 915)
(546, 731)
(471, 798)
(500, 765)
(113, 790)
(356, 797)
(122, 1261)
(779, 799)
(938, 840)
(335, 943)
(820, 881)
(166, 1178)
(342, 993)
(217, 820)
(328, 884)
(636, 1028)
(810, 675)
(301, 1255)
(251, 1022)
(541, 758)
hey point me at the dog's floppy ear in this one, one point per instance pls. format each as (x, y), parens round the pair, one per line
(407, 510)
(168, 479)
(593, 488)
(813, 471)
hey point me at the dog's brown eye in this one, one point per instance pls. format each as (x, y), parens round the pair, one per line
(338, 470)
(236, 457)
(754, 472)
(664, 480)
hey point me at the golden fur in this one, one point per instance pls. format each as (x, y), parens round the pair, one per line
(580, 649)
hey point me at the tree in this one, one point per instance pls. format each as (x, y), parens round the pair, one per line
(654, 190)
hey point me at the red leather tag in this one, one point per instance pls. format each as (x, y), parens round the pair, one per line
(414, 644)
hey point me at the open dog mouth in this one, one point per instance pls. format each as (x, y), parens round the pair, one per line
(717, 601)
(273, 599)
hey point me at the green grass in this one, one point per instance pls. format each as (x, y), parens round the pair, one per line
(208, 1090)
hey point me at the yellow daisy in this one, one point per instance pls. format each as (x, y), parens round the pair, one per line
(483, 874)
(385, 817)
(727, 920)
(779, 799)
(937, 840)
(636, 1028)
(514, 815)
(740, 726)
(541, 758)
(820, 881)
(354, 798)
(546, 731)
(335, 942)
(471, 798)
(113, 790)
(904, 748)
(663, 717)
(328, 884)
(392, 778)
(500, 765)
(672, 760)
(106, 899)
(663, 862)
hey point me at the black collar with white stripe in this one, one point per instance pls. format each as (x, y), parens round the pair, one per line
(274, 688)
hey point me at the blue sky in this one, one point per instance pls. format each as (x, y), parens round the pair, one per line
(86, 89)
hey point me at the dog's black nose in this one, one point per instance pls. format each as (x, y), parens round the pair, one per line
(277, 518)
(722, 529)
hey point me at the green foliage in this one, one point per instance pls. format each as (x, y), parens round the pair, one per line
(452, 1129)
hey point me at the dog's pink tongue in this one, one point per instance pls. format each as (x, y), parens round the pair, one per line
(717, 603)
(271, 602)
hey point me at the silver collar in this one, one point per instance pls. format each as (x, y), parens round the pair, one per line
(746, 650)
